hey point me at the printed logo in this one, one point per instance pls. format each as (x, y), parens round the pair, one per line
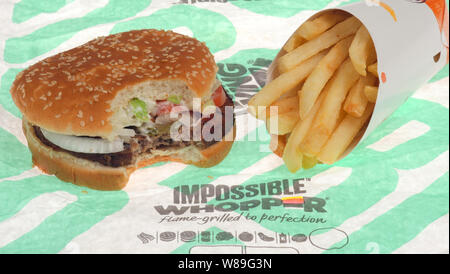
(189, 236)
(242, 81)
(191, 200)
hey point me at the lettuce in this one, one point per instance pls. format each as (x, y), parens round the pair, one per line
(139, 109)
(174, 99)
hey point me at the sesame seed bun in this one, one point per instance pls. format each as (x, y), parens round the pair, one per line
(96, 176)
(86, 91)
(81, 91)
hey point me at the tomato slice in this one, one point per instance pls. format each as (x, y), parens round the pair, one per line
(165, 107)
(219, 96)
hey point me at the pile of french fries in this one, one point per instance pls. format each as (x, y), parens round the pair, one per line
(325, 91)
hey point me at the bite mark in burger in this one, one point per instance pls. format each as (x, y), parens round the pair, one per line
(94, 114)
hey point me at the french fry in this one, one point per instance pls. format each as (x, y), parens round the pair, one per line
(325, 40)
(292, 92)
(282, 124)
(372, 58)
(282, 105)
(311, 29)
(292, 156)
(277, 144)
(360, 50)
(282, 84)
(341, 117)
(309, 162)
(330, 110)
(324, 72)
(294, 42)
(318, 78)
(373, 69)
(356, 101)
(343, 136)
(288, 104)
(371, 93)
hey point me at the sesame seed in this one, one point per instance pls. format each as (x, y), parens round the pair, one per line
(103, 60)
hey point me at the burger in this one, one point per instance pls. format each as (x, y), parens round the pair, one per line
(94, 114)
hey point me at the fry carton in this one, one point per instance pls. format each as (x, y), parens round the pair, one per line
(411, 40)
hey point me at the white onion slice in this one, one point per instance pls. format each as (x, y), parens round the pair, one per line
(127, 132)
(83, 144)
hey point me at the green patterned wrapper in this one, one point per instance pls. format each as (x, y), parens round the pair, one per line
(390, 195)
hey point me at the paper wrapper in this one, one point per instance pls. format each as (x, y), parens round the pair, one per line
(411, 40)
(390, 195)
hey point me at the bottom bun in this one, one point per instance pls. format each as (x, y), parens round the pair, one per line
(83, 172)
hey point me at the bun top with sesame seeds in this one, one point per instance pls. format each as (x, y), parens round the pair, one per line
(83, 90)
